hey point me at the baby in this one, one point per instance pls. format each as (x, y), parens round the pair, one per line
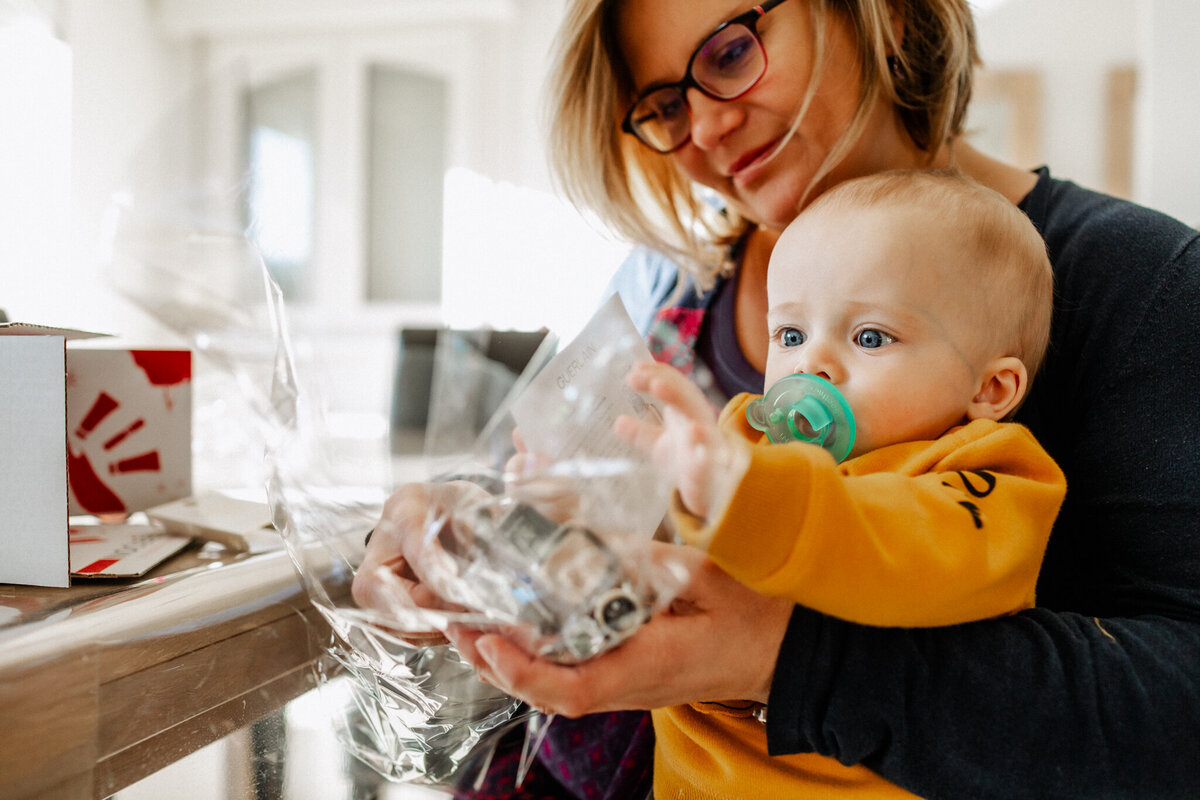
(921, 303)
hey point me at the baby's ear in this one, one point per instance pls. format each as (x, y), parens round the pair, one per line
(1005, 381)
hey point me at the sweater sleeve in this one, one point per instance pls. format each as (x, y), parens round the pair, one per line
(928, 533)
(1096, 694)
(1037, 704)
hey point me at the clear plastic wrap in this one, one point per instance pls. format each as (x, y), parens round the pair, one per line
(548, 545)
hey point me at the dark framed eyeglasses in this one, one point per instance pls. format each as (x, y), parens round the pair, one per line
(725, 66)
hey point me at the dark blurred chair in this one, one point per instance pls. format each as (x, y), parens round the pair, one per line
(501, 357)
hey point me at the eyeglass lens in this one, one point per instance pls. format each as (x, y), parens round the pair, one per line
(724, 67)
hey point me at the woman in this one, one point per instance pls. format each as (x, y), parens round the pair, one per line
(703, 153)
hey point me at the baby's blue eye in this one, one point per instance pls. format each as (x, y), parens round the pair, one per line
(871, 339)
(791, 337)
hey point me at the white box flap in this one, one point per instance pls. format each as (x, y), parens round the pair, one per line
(30, 329)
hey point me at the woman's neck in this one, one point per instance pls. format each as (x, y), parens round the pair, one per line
(1012, 182)
(750, 309)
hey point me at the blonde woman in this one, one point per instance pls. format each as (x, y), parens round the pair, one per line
(699, 129)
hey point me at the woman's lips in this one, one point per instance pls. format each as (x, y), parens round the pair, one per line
(745, 167)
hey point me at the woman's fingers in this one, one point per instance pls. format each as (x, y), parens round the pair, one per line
(386, 580)
(396, 594)
(718, 640)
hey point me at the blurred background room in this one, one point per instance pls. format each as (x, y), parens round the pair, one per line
(386, 158)
(388, 155)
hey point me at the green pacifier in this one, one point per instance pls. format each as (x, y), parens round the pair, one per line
(805, 408)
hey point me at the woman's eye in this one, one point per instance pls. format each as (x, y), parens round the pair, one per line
(671, 108)
(733, 55)
(871, 339)
(791, 337)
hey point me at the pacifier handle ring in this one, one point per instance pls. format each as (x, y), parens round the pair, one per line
(795, 429)
(820, 427)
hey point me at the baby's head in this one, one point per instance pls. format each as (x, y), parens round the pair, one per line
(923, 296)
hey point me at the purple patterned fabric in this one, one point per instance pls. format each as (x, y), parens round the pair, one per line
(602, 756)
(500, 781)
(597, 757)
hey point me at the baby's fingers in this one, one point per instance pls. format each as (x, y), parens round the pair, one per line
(671, 387)
(641, 433)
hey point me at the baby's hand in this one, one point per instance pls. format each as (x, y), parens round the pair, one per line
(528, 477)
(687, 446)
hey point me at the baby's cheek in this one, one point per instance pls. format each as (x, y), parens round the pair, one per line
(890, 423)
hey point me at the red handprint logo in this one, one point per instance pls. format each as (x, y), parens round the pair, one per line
(91, 491)
(129, 431)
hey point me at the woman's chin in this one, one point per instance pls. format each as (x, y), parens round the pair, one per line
(770, 203)
(775, 215)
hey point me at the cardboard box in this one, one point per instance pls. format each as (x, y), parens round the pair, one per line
(83, 431)
(120, 550)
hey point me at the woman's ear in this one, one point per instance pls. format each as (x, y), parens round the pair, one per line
(1005, 381)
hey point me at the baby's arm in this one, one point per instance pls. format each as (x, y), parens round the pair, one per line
(919, 534)
(686, 445)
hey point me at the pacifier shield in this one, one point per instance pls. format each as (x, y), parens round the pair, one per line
(805, 408)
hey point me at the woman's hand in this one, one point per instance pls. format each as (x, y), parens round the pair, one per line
(390, 574)
(717, 641)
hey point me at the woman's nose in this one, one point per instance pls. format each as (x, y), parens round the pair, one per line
(712, 120)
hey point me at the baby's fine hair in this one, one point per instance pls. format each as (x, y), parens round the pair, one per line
(1009, 266)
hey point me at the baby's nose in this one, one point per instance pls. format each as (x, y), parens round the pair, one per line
(819, 372)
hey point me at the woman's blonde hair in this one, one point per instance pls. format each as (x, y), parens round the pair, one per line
(642, 195)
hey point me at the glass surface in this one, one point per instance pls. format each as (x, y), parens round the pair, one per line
(291, 754)
(279, 145)
(405, 172)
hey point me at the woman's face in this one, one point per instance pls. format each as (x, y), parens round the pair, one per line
(731, 141)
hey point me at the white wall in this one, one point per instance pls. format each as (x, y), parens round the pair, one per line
(1167, 162)
(35, 141)
(1075, 43)
(132, 64)
(125, 77)
(517, 53)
